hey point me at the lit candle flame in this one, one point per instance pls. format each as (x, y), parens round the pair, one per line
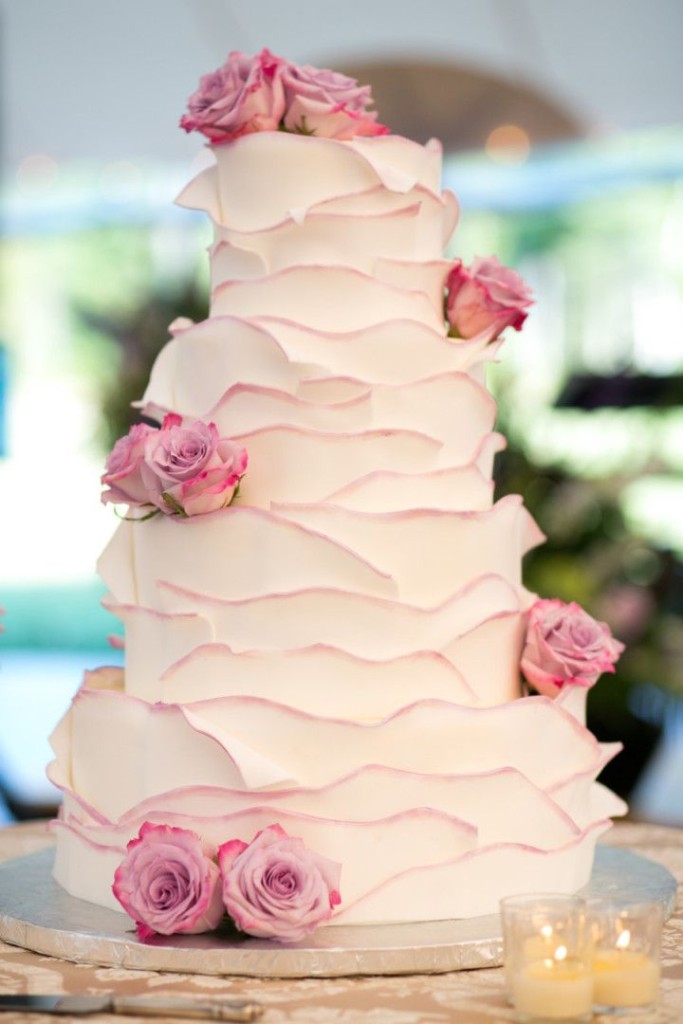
(624, 939)
(547, 931)
(560, 953)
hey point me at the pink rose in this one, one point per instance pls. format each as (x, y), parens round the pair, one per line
(275, 888)
(485, 299)
(169, 883)
(327, 104)
(564, 644)
(122, 474)
(212, 488)
(243, 96)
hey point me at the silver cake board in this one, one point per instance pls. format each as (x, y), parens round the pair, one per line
(39, 915)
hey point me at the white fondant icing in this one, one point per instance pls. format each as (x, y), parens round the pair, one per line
(235, 350)
(238, 192)
(428, 552)
(364, 625)
(318, 240)
(452, 490)
(298, 465)
(247, 742)
(246, 408)
(321, 680)
(338, 299)
(219, 550)
(473, 886)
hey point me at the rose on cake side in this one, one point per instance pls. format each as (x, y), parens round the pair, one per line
(484, 299)
(566, 646)
(168, 882)
(274, 887)
(268, 93)
(122, 475)
(182, 468)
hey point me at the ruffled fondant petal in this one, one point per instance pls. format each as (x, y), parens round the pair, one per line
(246, 408)
(238, 191)
(503, 805)
(356, 687)
(397, 351)
(473, 885)
(455, 548)
(294, 464)
(364, 625)
(428, 277)
(319, 239)
(290, 558)
(436, 221)
(449, 407)
(480, 619)
(236, 351)
(455, 490)
(338, 299)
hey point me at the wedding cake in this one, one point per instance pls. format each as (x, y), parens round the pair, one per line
(323, 716)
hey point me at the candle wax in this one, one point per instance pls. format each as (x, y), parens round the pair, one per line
(623, 977)
(553, 990)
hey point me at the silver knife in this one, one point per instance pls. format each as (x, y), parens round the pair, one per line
(136, 1006)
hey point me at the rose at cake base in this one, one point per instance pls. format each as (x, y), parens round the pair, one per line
(323, 717)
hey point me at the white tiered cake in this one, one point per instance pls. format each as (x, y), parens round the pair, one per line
(338, 650)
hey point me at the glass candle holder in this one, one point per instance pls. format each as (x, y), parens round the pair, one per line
(547, 958)
(626, 941)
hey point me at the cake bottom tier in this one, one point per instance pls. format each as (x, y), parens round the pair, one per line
(434, 813)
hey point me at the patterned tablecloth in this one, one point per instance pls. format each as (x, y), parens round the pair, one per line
(466, 997)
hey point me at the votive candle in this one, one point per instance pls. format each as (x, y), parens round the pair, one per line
(623, 978)
(546, 957)
(553, 989)
(626, 966)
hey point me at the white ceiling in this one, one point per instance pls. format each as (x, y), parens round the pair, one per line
(108, 79)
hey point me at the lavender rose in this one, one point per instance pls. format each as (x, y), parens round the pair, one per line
(275, 888)
(565, 645)
(122, 475)
(485, 299)
(178, 451)
(327, 104)
(244, 95)
(168, 882)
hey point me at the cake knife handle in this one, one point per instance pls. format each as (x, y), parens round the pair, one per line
(190, 1009)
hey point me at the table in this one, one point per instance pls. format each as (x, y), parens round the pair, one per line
(465, 997)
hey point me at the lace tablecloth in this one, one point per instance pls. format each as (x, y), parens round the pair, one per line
(465, 997)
